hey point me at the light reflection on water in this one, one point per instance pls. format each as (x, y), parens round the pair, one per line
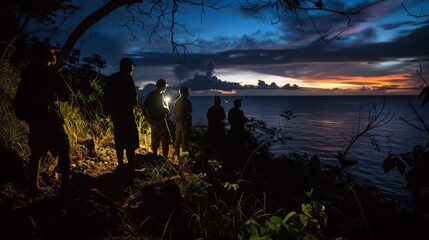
(323, 126)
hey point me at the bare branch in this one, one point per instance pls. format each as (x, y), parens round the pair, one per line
(420, 15)
(376, 118)
(306, 7)
(419, 73)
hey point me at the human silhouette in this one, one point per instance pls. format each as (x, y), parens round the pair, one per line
(237, 120)
(216, 127)
(36, 102)
(183, 117)
(236, 136)
(121, 98)
(156, 109)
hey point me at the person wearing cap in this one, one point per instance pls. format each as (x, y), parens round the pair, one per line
(237, 120)
(155, 109)
(119, 100)
(183, 117)
(36, 102)
(216, 128)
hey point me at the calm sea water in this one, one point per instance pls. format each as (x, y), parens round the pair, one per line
(324, 124)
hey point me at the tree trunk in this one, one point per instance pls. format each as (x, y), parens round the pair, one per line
(91, 20)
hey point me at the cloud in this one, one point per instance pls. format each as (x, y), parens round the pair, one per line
(188, 68)
(357, 56)
(207, 81)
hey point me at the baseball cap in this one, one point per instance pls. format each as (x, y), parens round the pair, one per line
(127, 62)
(161, 82)
(183, 90)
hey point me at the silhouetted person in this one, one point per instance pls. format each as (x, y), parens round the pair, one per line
(36, 102)
(120, 99)
(237, 120)
(183, 117)
(156, 110)
(216, 128)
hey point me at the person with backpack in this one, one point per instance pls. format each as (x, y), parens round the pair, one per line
(36, 102)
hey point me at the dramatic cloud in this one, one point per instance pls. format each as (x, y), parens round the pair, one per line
(207, 81)
(188, 68)
(378, 48)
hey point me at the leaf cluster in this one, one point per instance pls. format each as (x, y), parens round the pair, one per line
(413, 165)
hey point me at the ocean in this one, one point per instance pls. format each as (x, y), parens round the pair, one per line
(324, 125)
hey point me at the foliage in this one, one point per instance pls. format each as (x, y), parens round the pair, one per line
(17, 16)
(13, 133)
(260, 138)
(413, 165)
(305, 225)
(87, 83)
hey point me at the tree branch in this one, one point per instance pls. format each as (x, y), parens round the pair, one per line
(90, 20)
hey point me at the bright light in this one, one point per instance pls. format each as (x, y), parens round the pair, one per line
(167, 99)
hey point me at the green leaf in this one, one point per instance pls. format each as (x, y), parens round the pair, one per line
(309, 193)
(306, 209)
(303, 220)
(288, 216)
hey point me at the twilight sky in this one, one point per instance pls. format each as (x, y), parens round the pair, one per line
(241, 52)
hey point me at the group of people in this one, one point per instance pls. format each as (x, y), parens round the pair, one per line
(156, 110)
(42, 87)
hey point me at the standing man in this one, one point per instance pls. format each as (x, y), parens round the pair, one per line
(237, 120)
(120, 97)
(215, 117)
(36, 102)
(156, 109)
(183, 117)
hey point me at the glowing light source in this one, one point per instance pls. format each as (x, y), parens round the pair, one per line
(167, 99)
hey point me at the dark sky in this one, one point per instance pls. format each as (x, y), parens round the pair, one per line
(264, 52)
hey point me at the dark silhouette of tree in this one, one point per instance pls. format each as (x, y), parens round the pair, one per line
(17, 15)
(89, 21)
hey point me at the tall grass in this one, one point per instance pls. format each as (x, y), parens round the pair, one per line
(13, 133)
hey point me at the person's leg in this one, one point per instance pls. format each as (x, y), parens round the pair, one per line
(119, 145)
(131, 157)
(37, 143)
(178, 137)
(64, 165)
(186, 135)
(34, 166)
(165, 144)
(155, 138)
(120, 156)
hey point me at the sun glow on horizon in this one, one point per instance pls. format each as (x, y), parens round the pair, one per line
(246, 77)
(357, 82)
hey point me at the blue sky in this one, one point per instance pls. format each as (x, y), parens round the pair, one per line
(265, 53)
